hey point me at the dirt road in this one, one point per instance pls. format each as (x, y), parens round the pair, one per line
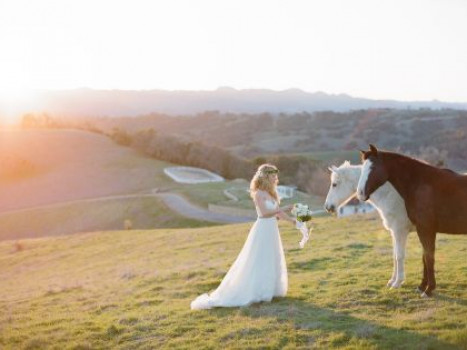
(174, 201)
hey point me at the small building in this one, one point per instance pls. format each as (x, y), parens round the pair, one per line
(286, 191)
(191, 175)
(354, 206)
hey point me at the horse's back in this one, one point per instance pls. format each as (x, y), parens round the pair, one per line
(452, 175)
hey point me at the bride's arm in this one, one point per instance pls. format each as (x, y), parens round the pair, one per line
(281, 214)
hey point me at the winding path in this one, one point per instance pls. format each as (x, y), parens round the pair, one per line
(175, 202)
(180, 205)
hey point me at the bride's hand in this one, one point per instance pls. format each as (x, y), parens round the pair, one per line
(287, 207)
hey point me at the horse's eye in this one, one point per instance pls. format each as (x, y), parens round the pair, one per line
(334, 185)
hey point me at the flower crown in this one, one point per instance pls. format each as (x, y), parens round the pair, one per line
(267, 172)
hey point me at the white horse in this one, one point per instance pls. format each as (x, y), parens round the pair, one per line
(386, 200)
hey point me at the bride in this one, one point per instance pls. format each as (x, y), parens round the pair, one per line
(259, 273)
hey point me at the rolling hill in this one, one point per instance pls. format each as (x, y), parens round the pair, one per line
(132, 290)
(56, 182)
(59, 181)
(68, 165)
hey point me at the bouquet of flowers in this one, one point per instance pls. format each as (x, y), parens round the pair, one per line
(303, 214)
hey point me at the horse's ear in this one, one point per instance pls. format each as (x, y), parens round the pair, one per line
(332, 168)
(373, 149)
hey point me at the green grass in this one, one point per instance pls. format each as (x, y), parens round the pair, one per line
(146, 212)
(132, 290)
(148, 171)
(204, 194)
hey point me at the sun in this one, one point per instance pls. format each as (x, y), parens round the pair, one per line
(14, 102)
(16, 96)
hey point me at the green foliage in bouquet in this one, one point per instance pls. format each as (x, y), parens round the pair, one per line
(302, 212)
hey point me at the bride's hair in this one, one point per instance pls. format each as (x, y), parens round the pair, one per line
(261, 181)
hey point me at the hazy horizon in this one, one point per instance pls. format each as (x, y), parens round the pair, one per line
(388, 50)
(226, 87)
(86, 102)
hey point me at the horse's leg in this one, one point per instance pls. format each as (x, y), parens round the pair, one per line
(394, 268)
(428, 240)
(401, 243)
(421, 288)
(429, 254)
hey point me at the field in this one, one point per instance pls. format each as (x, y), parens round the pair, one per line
(132, 290)
(70, 165)
(71, 181)
(203, 194)
(87, 216)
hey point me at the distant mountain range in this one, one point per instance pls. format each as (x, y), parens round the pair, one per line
(88, 102)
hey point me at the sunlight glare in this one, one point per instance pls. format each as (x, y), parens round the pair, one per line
(15, 99)
(14, 103)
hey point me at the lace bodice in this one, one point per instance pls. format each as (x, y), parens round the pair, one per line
(269, 204)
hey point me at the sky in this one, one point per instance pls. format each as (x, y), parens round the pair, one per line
(397, 49)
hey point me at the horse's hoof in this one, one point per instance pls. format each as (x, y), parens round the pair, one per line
(419, 290)
(390, 283)
(424, 295)
(397, 284)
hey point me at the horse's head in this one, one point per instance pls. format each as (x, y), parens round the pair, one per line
(343, 185)
(373, 175)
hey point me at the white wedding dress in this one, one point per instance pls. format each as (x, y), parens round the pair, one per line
(258, 274)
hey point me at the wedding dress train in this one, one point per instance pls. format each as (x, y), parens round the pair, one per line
(258, 274)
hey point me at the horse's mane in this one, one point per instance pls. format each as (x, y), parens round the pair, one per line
(345, 171)
(394, 155)
(345, 165)
(419, 162)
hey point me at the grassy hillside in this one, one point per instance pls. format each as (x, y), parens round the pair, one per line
(66, 165)
(132, 289)
(203, 194)
(52, 172)
(49, 171)
(87, 216)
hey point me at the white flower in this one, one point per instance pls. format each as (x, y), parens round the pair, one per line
(302, 212)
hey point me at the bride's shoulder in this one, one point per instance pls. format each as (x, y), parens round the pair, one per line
(260, 195)
(263, 196)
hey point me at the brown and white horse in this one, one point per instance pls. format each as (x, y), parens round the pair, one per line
(435, 199)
